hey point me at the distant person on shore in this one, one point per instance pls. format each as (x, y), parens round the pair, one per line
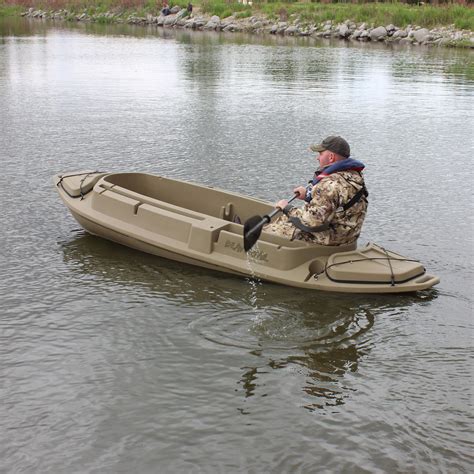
(335, 200)
(190, 8)
(165, 11)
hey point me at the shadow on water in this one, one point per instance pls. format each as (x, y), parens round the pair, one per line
(322, 334)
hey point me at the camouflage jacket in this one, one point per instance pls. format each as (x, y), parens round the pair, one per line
(328, 196)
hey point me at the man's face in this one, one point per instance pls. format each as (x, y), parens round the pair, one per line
(325, 158)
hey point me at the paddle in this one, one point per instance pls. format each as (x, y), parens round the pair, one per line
(254, 225)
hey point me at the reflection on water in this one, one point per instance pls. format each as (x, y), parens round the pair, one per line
(325, 334)
(88, 255)
(281, 65)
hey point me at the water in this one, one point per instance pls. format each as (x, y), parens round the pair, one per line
(112, 361)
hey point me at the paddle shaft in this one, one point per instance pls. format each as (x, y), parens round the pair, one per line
(268, 217)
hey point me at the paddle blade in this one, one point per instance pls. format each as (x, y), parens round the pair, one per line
(252, 230)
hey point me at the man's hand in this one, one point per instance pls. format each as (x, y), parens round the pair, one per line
(281, 204)
(300, 191)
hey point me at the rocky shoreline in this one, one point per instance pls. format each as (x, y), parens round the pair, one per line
(348, 30)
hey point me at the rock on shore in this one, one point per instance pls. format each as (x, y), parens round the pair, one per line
(348, 30)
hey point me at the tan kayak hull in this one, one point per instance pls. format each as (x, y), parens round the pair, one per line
(196, 225)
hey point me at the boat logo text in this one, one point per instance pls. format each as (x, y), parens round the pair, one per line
(255, 254)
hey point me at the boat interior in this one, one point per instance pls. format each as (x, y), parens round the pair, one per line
(204, 200)
(194, 201)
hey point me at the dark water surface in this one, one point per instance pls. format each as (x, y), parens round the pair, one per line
(114, 361)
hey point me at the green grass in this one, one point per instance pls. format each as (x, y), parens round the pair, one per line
(399, 14)
(463, 44)
(377, 13)
(10, 10)
(223, 8)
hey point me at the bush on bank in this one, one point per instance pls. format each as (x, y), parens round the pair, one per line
(396, 13)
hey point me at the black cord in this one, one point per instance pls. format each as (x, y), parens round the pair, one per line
(61, 178)
(392, 279)
(391, 268)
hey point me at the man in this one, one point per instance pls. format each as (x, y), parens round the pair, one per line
(165, 11)
(335, 200)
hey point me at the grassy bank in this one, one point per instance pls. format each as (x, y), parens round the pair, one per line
(399, 14)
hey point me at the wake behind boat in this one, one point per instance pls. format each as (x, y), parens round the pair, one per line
(202, 226)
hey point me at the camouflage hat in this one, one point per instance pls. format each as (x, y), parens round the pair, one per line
(335, 144)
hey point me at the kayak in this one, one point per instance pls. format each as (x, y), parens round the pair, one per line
(203, 226)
